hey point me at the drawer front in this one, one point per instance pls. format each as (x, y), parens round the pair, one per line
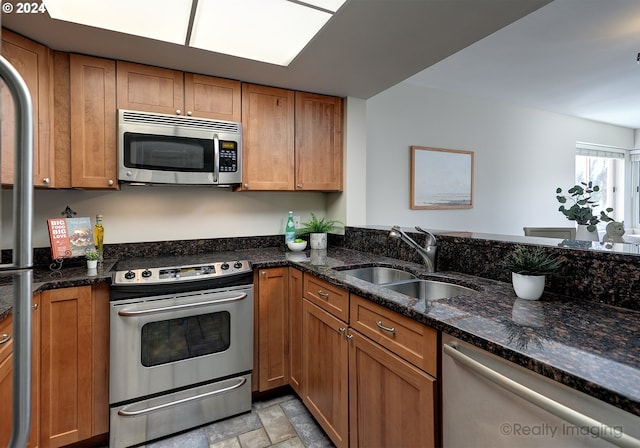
(411, 340)
(330, 298)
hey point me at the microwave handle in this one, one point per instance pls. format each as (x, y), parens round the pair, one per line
(216, 158)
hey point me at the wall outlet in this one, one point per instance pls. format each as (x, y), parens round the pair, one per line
(296, 222)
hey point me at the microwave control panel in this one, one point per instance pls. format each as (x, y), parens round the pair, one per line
(228, 156)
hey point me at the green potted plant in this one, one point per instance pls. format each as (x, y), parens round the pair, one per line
(582, 209)
(318, 229)
(529, 268)
(92, 256)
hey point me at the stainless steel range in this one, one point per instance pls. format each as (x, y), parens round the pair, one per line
(181, 348)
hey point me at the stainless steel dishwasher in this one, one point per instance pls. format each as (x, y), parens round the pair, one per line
(490, 402)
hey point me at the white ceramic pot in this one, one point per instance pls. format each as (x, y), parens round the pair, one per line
(582, 234)
(318, 240)
(528, 287)
(92, 264)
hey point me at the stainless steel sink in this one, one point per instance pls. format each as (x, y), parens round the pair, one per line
(379, 274)
(429, 289)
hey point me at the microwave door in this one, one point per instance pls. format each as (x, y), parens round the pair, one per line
(22, 253)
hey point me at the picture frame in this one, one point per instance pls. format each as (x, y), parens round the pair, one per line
(441, 178)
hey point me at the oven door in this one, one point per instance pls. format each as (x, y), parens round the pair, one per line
(167, 342)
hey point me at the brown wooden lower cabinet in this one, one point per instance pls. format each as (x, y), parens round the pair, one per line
(272, 326)
(295, 330)
(6, 377)
(326, 371)
(391, 402)
(74, 356)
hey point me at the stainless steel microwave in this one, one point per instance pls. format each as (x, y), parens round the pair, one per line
(169, 149)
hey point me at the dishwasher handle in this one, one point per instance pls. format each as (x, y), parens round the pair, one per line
(539, 400)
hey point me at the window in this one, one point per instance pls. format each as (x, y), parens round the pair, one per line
(604, 166)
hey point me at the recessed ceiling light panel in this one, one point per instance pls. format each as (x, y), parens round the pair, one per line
(165, 20)
(272, 31)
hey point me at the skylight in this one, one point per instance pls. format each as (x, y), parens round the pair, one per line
(272, 31)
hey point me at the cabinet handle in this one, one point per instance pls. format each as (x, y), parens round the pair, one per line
(34, 306)
(189, 113)
(324, 295)
(299, 185)
(264, 273)
(46, 180)
(178, 112)
(348, 337)
(4, 338)
(110, 182)
(342, 330)
(246, 186)
(391, 330)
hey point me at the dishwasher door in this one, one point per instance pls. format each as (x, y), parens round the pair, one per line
(484, 404)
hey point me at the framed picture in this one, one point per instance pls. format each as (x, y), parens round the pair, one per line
(441, 178)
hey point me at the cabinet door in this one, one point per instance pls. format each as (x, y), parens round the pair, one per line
(6, 372)
(267, 138)
(150, 89)
(32, 61)
(6, 377)
(66, 346)
(392, 403)
(209, 97)
(100, 372)
(93, 122)
(273, 328)
(295, 330)
(318, 142)
(325, 371)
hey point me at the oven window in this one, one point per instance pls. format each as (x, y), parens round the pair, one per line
(187, 337)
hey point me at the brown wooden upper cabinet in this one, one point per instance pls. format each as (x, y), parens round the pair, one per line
(33, 62)
(93, 122)
(318, 142)
(291, 140)
(161, 90)
(268, 159)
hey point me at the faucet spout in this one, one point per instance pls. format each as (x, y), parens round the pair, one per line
(428, 253)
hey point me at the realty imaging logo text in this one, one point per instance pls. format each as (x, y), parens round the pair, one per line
(564, 430)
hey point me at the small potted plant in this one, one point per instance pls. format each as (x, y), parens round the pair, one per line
(529, 268)
(318, 229)
(92, 256)
(582, 210)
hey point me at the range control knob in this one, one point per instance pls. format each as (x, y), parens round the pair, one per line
(129, 275)
(237, 264)
(146, 273)
(224, 266)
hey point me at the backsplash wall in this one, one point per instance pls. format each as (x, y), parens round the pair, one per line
(599, 276)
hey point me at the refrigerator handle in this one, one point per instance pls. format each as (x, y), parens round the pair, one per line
(22, 257)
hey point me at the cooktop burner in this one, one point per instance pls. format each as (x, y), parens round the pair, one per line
(178, 274)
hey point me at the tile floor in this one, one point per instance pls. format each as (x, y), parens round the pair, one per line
(281, 422)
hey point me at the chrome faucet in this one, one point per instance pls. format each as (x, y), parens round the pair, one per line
(428, 252)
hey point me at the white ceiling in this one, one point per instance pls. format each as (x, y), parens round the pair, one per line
(367, 47)
(576, 57)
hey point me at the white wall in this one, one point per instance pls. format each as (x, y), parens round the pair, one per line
(521, 156)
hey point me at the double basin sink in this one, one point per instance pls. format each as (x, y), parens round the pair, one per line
(408, 284)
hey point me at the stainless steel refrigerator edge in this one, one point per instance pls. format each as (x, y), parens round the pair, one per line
(22, 255)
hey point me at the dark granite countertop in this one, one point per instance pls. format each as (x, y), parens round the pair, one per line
(591, 347)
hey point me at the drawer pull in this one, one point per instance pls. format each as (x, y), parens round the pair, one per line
(324, 295)
(342, 330)
(4, 338)
(387, 329)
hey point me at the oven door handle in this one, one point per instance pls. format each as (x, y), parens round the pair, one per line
(159, 407)
(165, 309)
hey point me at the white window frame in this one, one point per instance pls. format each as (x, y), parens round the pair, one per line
(617, 176)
